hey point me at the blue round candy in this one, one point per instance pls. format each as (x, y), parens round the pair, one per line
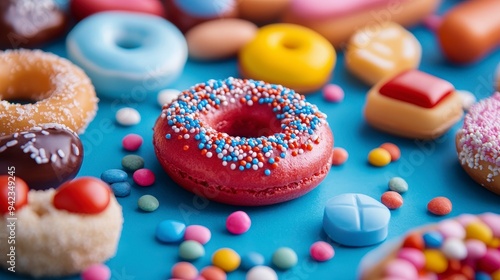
(121, 189)
(251, 259)
(169, 231)
(432, 239)
(482, 276)
(356, 220)
(114, 176)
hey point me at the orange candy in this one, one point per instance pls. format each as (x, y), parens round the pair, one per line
(213, 273)
(339, 156)
(414, 240)
(393, 150)
(440, 206)
(392, 200)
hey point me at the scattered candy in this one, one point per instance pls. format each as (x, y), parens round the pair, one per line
(392, 199)
(226, 259)
(454, 249)
(333, 93)
(238, 222)
(121, 189)
(339, 156)
(167, 95)
(132, 142)
(321, 251)
(475, 249)
(128, 116)
(379, 157)
(398, 184)
(191, 250)
(148, 203)
(432, 239)
(184, 270)
(169, 231)
(435, 261)
(21, 192)
(132, 162)
(493, 222)
(251, 260)
(198, 233)
(111, 176)
(144, 177)
(414, 240)
(400, 269)
(96, 272)
(261, 273)
(440, 206)
(451, 228)
(414, 256)
(213, 273)
(478, 230)
(285, 258)
(490, 262)
(468, 98)
(393, 150)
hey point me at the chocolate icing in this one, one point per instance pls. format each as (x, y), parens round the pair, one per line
(44, 157)
(29, 23)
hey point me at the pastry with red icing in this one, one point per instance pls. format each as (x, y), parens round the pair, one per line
(58, 232)
(478, 144)
(243, 142)
(413, 104)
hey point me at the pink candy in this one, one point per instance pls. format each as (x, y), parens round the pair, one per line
(184, 270)
(333, 93)
(198, 233)
(414, 256)
(238, 222)
(96, 272)
(493, 222)
(321, 251)
(451, 228)
(490, 262)
(144, 177)
(401, 269)
(475, 249)
(132, 142)
(339, 156)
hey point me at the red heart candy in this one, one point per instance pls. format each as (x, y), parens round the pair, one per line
(13, 194)
(84, 195)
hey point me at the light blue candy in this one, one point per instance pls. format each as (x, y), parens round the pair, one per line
(114, 176)
(482, 276)
(398, 184)
(356, 220)
(169, 231)
(126, 54)
(121, 189)
(205, 8)
(432, 239)
(251, 259)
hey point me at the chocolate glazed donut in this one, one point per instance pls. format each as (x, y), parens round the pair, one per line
(44, 156)
(29, 23)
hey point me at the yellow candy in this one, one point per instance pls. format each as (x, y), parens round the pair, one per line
(379, 157)
(288, 54)
(494, 243)
(226, 259)
(435, 261)
(480, 231)
(495, 275)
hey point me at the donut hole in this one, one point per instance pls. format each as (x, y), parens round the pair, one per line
(246, 121)
(291, 43)
(26, 87)
(132, 40)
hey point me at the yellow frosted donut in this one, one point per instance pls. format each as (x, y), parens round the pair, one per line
(290, 55)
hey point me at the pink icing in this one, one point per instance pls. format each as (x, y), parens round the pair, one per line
(480, 135)
(320, 9)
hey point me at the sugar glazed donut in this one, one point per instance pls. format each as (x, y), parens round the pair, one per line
(243, 142)
(61, 92)
(478, 144)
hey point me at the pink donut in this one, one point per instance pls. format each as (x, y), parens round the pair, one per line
(84, 8)
(243, 142)
(478, 144)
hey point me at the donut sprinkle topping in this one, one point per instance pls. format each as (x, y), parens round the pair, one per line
(299, 121)
(480, 140)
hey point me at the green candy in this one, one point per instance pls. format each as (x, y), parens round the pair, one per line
(191, 250)
(131, 163)
(148, 203)
(285, 258)
(398, 184)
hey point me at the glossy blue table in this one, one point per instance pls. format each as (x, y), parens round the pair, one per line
(431, 169)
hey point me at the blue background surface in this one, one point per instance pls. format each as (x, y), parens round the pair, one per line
(431, 169)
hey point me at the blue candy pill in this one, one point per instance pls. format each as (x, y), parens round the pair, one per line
(114, 175)
(170, 231)
(121, 189)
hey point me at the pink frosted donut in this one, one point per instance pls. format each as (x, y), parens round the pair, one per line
(478, 144)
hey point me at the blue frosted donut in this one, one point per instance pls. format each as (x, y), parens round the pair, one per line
(205, 8)
(127, 54)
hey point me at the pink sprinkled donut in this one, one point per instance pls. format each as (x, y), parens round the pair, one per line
(243, 142)
(478, 143)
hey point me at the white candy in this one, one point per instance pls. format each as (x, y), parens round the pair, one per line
(128, 116)
(468, 99)
(454, 248)
(261, 272)
(166, 96)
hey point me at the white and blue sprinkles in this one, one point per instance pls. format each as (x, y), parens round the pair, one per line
(299, 121)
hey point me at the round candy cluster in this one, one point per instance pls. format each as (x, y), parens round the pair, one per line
(298, 119)
(468, 247)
